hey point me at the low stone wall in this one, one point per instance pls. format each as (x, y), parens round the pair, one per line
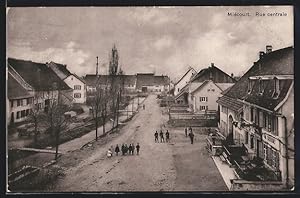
(244, 185)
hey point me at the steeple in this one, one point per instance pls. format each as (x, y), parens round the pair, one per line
(114, 61)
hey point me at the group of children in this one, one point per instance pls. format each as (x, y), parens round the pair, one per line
(161, 134)
(125, 149)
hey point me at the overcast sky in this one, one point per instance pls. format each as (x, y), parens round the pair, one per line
(164, 40)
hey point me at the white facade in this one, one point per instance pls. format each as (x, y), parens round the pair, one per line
(184, 81)
(205, 96)
(79, 89)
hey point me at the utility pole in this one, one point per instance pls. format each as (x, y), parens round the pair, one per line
(97, 66)
(132, 106)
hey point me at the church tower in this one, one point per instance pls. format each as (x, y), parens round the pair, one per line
(113, 61)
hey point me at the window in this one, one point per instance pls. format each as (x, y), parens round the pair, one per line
(212, 89)
(261, 86)
(77, 95)
(269, 123)
(251, 142)
(274, 125)
(27, 112)
(202, 108)
(19, 102)
(23, 113)
(276, 88)
(251, 114)
(246, 137)
(203, 99)
(265, 120)
(77, 87)
(18, 114)
(12, 104)
(224, 109)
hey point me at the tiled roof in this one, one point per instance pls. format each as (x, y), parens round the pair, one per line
(231, 103)
(213, 73)
(92, 80)
(279, 62)
(266, 99)
(60, 70)
(189, 69)
(38, 75)
(144, 80)
(161, 80)
(15, 90)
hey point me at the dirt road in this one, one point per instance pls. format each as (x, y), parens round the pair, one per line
(175, 166)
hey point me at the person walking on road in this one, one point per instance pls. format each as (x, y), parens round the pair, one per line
(162, 139)
(156, 136)
(117, 150)
(191, 135)
(126, 149)
(123, 149)
(133, 149)
(130, 149)
(167, 136)
(137, 148)
(185, 130)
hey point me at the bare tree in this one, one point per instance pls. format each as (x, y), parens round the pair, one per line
(35, 116)
(54, 114)
(104, 107)
(96, 105)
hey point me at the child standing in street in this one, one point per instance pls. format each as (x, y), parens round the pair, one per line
(117, 150)
(156, 136)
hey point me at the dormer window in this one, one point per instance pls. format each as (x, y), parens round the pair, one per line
(261, 86)
(250, 85)
(276, 88)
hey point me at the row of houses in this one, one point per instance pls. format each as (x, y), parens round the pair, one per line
(31, 84)
(140, 82)
(257, 112)
(200, 90)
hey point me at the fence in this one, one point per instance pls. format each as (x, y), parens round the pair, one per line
(192, 116)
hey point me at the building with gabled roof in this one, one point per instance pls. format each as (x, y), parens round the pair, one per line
(19, 99)
(40, 81)
(72, 80)
(257, 113)
(184, 80)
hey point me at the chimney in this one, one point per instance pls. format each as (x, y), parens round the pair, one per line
(231, 75)
(268, 49)
(261, 54)
(212, 64)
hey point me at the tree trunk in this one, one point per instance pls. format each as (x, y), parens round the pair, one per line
(103, 126)
(118, 105)
(57, 143)
(96, 123)
(35, 133)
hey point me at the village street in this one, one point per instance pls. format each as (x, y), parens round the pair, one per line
(175, 166)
